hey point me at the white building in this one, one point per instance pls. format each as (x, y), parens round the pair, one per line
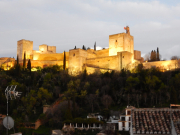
(124, 122)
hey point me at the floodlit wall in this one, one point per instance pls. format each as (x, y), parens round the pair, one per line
(126, 58)
(102, 53)
(42, 64)
(24, 46)
(120, 42)
(109, 62)
(50, 57)
(47, 49)
(163, 65)
(137, 55)
(43, 48)
(52, 49)
(77, 60)
(91, 53)
(6, 63)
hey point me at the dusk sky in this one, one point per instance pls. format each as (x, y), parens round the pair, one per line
(66, 23)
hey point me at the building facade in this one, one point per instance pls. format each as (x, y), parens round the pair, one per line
(120, 55)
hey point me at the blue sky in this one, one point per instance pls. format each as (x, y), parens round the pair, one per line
(66, 23)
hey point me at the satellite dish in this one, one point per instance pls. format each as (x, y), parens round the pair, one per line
(8, 122)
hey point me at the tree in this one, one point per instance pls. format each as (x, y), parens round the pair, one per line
(174, 58)
(84, 48)
(64, 61)
(17, 66)
(71, 93)
(17, 61)
(75, 47)
(29, 65)
(95, 46)
(92, 100)
(35, 98)
(158, 57)
(131, 84)
(106, 101)
(153, 83)
(24, 61)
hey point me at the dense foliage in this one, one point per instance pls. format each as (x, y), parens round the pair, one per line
(73, 97)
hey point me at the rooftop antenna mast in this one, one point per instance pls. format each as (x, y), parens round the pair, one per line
(11, 94)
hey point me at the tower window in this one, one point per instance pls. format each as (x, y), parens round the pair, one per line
(74, 54)
(116, 40)
(123, 56)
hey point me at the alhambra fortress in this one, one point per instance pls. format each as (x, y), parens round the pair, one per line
(119, 55)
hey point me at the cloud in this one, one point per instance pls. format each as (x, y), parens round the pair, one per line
(66, 24)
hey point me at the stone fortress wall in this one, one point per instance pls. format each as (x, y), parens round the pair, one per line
(119, 55)
(6, 63)
(120, 42)
(45, 56)
(163, 65)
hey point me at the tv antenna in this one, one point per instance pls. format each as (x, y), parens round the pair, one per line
(11, 94)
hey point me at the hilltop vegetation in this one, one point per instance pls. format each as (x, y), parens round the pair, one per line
(73, 97)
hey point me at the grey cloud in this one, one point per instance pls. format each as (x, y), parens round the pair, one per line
(66, 24)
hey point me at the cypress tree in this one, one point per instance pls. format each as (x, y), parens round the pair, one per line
(29, 65)
(17, 61)
(158, 59)
(84, 48)
(17, 66)
(75, 47)
(95, 46)
(24, 61)
(64, 61)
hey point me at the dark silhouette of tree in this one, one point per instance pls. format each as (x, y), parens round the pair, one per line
(17, 67)
(84, 48)
(24, 61)
(131, 84)
(106, 101)
(158, 57)
(29, 65)
(92, 100)
(95, 46)
(64, 61)
(75, 47)
(174, 58)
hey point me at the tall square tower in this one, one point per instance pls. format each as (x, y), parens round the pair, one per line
(24, 46)
(120, 42)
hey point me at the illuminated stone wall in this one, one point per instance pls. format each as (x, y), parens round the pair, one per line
(125, 59)
(52, 49)
(47, 49)
(24, 46)
(50, 56)
(43, 48)
(77, 60)
(120, 42)
(108, 62)
(137, 55)
(102, 53)
(163, 65)
(42, 64)
(120, 54)
(6, 63)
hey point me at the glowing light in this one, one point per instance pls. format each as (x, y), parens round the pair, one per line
(33, 69)
(42, 49)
